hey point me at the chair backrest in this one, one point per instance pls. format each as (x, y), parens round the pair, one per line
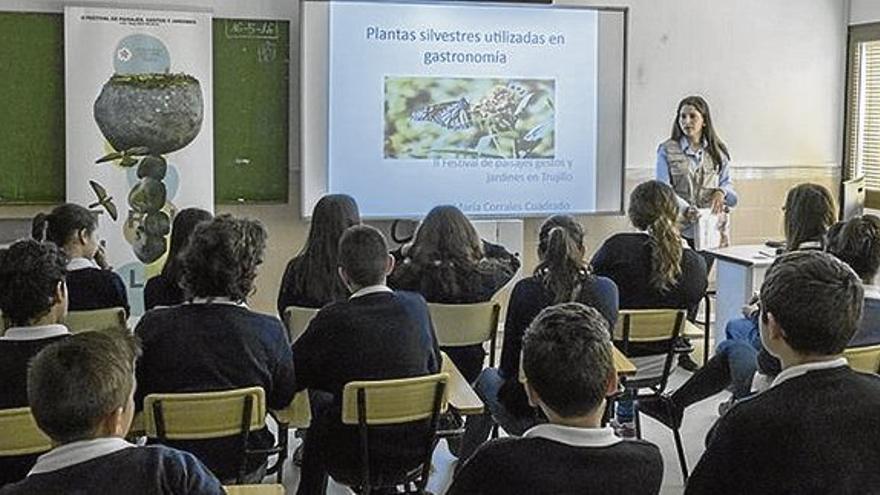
(648, 325)
(459, 325)
(865, 359)
(394, 401)
(96, 319)
(197, 416)
(20, 435)
(254, 489)
(296, 319)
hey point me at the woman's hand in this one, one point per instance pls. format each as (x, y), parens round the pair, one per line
(717, 201)
(101, 257)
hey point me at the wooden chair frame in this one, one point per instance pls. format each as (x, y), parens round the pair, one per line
(419, 477)
(447, 336)
(252, 418)
(106, 318)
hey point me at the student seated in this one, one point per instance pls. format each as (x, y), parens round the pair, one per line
(90, 282)
(81, 392)
(33, 298)
(449, 263)
(809, 211)
(561, 276)
(816, 429)
(376, 334)
(214, 342)
(568, 372)
(310, 279)
(164, 289)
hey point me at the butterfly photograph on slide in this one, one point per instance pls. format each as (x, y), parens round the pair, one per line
(434, 117)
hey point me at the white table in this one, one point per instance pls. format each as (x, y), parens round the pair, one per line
(740, 272)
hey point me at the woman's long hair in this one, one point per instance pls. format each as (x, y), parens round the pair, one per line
(64, 222)
(562, 269)
(715, 146)
(652, 208)
(181, 230)
(809, 212)
(315, 265)
(446, 251)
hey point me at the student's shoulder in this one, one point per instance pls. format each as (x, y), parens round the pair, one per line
(177, 467)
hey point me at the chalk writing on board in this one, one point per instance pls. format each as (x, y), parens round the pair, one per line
(267, 52)
(251, 29)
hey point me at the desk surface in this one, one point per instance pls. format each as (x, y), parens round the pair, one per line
(622, 364)
(461, 396)
(749, 254)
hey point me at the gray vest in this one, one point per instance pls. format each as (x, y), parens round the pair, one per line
(694, 185)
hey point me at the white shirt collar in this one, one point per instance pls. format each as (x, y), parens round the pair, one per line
(35, 333)
(74, 453)
(218, 300)
(809, 245)
(803, 369)
(871, 291)
(370, 289)
(80, 264)
(575, 437)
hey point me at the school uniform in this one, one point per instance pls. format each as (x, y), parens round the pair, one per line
(111, 466)
(90, 287)
(626, 259)
(475, 284)
(499, 388)
(210, 345)
(160, 291)
(552, 459)
(377, 334)
(815, 430)
(17, 347)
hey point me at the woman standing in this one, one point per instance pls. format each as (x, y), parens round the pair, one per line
(695, 162)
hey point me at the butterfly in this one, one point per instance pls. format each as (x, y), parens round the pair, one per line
(104, 200)
(455, 115)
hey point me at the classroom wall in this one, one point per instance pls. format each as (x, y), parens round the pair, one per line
(862, 11)
(773, 72)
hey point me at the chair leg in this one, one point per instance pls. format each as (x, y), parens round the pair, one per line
(682, 461)
(708, 330)
(637, 419)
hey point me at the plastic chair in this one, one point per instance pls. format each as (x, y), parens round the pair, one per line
(865, 359)
(20, 435)
(296, 319)
(661, 328)
(96, 319)
(392, 402)
(254, 489)
(461, 325)
(205, 415)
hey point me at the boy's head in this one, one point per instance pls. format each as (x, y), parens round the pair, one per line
(363, 257)
(567, 361)
(82, 387)
(222, 257)
(32, 285)
(811, 303)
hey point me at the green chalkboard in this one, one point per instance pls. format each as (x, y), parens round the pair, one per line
(251, 109)
(32, 103)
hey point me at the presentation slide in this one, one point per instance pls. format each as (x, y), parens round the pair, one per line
(490, 108)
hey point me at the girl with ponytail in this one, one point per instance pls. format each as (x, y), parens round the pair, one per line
(562, 275)
(652, 268)
(90, 282)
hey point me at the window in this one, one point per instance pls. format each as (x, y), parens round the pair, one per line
(862, 147)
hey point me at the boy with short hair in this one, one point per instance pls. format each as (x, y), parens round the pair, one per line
(816, 429)
(377, 334)
(33, 298)
(81, 392)
(569, 372)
